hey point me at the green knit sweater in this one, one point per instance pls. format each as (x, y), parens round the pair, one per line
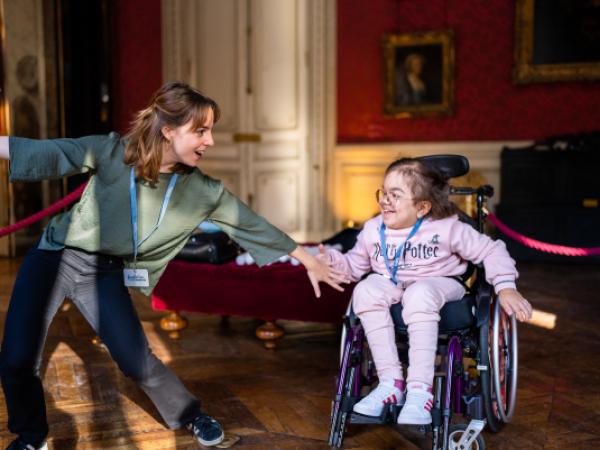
(101, 220)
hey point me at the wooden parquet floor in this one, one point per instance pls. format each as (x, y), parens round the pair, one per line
(281, 399)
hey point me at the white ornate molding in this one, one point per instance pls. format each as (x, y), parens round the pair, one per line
(171, 39)
(321, 20)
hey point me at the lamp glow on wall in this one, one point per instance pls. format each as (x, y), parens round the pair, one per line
(358, 193)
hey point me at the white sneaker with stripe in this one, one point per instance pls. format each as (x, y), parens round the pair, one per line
(385, 392)
(417, 409)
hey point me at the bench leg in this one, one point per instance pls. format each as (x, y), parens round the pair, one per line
(173, 323)
(269, 333)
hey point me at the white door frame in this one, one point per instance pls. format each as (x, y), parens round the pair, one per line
(321, 100)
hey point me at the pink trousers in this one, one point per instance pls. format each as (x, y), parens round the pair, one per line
(421, 302)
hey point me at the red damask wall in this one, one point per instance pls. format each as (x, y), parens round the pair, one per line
(137, 63)
(487, 105)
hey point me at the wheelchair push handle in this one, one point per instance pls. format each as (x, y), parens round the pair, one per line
(486, 190)
(482, 193)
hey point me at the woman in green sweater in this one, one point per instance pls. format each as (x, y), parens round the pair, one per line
(144, 199)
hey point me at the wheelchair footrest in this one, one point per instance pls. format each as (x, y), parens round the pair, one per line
(414, 428)
(388, 416)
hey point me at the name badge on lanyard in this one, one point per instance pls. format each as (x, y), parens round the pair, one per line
(138, 277)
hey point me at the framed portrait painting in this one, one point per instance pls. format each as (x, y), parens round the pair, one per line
(557, 40)
(419, 74)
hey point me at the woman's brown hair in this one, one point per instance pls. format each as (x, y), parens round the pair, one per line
(426, 184)
(173, 105)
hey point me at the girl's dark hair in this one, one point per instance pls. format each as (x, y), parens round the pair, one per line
(426, 184)
(173, 105)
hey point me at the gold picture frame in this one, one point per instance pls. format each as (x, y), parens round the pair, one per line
(553, 41)
(419, 74)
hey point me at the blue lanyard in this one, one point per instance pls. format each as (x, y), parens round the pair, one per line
(161, 215)
(394, 269)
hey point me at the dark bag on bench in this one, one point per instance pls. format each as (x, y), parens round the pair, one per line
(214, 248)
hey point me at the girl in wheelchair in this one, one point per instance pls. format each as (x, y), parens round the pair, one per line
(416, 249)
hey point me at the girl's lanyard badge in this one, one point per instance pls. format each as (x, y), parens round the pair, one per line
(393, 269)
(139, 277)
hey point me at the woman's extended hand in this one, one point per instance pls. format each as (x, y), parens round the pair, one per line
(318, 270)
(513, 302)
(323, 256)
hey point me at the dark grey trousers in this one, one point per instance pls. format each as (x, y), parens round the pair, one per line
(95, 285)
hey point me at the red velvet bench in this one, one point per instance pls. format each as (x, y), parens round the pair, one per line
(278, 291)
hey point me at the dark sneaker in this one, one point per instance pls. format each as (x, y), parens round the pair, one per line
(18, 444)
(206, 430)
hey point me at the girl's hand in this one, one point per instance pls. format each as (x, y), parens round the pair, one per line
(318, 270)
(323, 256)
(513, 303)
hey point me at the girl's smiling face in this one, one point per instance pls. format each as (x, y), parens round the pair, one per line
(396, 203)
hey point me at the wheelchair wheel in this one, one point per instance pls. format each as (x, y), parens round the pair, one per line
(455, 434)
(499, 353)
(505, 353)
(346, 386)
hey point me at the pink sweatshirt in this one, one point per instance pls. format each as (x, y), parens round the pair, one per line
(440, 248)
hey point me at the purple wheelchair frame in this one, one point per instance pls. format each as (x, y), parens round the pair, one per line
(446, 404)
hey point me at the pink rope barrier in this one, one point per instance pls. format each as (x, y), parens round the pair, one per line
(542, 246)
(52, 209)
(522, 239)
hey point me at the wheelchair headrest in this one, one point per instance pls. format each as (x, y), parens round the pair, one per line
(450, 166)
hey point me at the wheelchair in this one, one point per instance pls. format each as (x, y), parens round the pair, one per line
(476, 370)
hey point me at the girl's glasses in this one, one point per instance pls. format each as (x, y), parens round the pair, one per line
(390, 197)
